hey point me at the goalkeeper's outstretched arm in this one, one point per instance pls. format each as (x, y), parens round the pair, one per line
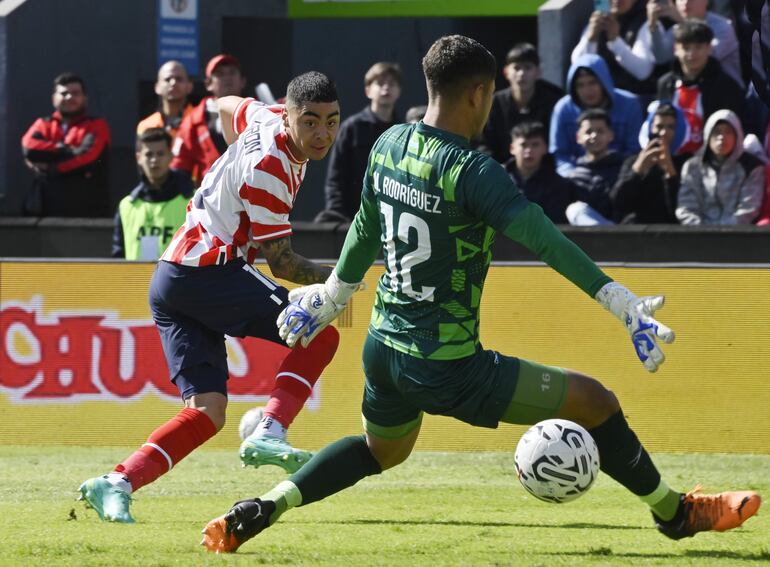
(535, 231)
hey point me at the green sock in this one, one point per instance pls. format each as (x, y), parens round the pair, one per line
(663, 501)
(286, 495)
(334, 468)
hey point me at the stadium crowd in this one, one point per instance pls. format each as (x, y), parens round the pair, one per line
(664, 120)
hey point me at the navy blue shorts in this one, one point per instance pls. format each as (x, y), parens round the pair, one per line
(194, 308)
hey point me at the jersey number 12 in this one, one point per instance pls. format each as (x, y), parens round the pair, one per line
(400, 270)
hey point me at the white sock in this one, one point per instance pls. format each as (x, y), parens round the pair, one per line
(119, 481)
(270, 427)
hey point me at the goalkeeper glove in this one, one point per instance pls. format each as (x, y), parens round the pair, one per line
(311, 308)
(636, 313)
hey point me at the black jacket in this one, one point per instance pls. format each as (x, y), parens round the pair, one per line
(646, 199)
(595, 179)
(718, 89)
(505, 114)
(545, 188)
(347, 164)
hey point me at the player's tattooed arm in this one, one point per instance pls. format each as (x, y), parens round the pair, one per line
(288, 265)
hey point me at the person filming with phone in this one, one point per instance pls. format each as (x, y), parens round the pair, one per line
(613, 33)
(647, 186)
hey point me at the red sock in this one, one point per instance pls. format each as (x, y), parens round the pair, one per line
(298, 374)
(166, 446)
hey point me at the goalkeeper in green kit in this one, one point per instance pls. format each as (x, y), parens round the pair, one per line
(434, 206)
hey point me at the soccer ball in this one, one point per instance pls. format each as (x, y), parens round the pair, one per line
(557, 460)
(249, 422)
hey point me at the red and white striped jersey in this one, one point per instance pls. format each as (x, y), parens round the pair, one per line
(246, 196)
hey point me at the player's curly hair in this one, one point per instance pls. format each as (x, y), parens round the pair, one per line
(311, 87)
(455, 61)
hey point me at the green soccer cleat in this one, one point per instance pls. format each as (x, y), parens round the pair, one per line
(110, 503)
(258, 451)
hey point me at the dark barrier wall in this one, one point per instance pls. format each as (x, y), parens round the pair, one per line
(91, 238)
(113, 46)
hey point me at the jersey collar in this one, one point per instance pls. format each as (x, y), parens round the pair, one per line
(438, 132)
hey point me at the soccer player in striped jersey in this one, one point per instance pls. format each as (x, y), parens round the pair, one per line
(205, 287)
(434, 205)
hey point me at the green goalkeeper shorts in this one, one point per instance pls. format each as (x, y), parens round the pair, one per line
(482, 389)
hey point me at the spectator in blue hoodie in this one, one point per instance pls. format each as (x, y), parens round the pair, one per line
(590, 86)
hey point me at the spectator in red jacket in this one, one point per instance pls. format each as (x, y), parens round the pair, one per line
(200, 141)
(67, 152)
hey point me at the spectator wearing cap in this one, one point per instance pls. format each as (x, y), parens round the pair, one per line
(527, 98)
(173, 86)
(357, 134)
(200, 140)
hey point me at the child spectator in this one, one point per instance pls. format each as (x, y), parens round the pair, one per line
(357, 134)
(648, 183)
(528, 98)
(590, 86)
(724, 44)
(721, 184)
(67, 152)
(149, 216)
(696, 84)
(596, 171)
(615, 36)
(532, 169)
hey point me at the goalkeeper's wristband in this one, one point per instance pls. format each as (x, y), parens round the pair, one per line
(339, 291)
(614, 297)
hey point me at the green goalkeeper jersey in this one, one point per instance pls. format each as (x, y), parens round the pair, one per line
(434, 206)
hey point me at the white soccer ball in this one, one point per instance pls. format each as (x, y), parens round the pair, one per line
(557, 460)
(249, 422)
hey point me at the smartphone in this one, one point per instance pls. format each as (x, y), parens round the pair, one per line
(602, 6)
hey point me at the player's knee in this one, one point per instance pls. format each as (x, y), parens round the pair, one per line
(213, 404)
(390, 453)
(604, 403)
(390, 459)
(592, 402)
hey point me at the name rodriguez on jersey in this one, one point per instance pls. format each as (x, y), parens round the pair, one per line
(406, 194)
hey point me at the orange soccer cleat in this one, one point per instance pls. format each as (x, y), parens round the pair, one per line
(710, 512)
(217, 538)
(245, 519)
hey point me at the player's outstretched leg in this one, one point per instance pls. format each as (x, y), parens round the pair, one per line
(294, 382)
(709, 512)
(623, 458)
(334, 468)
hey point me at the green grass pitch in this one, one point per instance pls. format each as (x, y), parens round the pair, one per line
(436, 509)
